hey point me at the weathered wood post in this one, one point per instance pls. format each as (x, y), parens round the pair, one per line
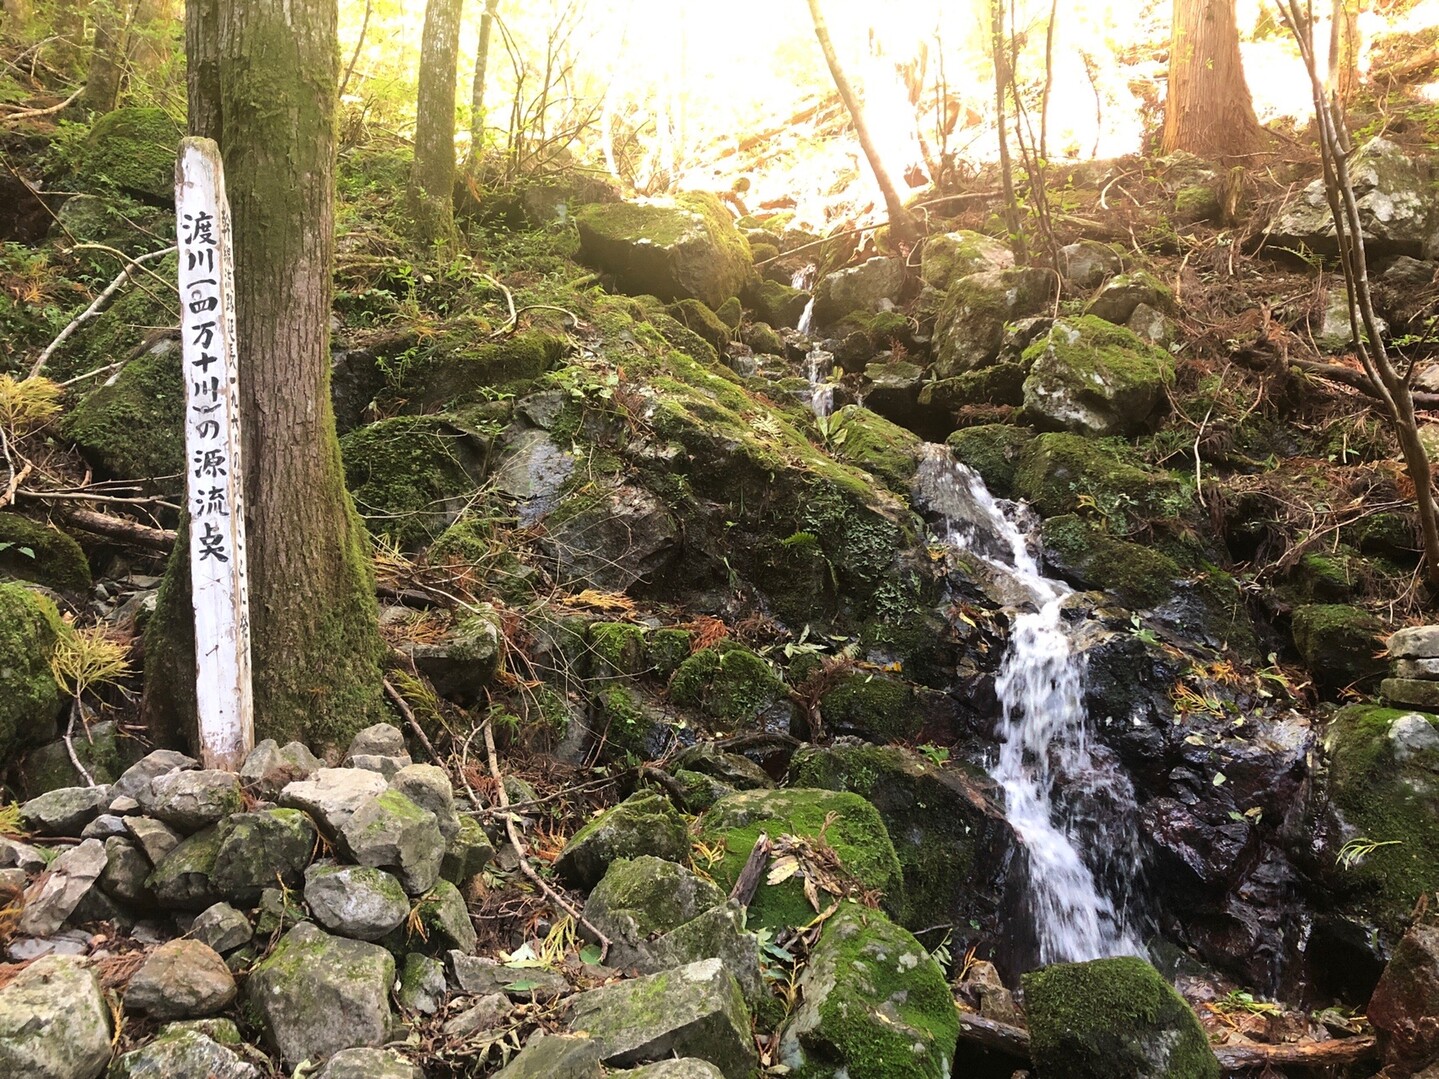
(214, 476)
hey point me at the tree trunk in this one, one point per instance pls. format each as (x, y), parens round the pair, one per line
(202, 67)
(1344, 45)
(432, 177)
(107, 59)
(901, 224)
(1209, 111)
(477, 88)
(315, 638)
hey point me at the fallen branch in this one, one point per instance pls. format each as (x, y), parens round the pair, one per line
(522, 852)
(991, 1034)
(1358, 380)
(155, 539)
(16, 479)
(26, 114)
(1325, 1054)
(80, 769)
(409, 714)
(661, 778)
(95, 307)
(747, 883)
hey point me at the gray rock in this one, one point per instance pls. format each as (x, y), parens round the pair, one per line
(1334, 333)
(549, 1056)
(970, 326)
(123, 805)
(868, 288)
(644, 823)
(148, 768)
(54, 1023)
(257, 848)
(1087, 263)
(191, 800)
(533, 468)
(1149, 324)
(182, 879)
(1119, 297)
(1411, 692)
(1412, 734)
(126, 870)
(683, 1068)
(373, 762)
(181, 979)
(316, 994)
(1095, 379)
(355, 901)
(12, 883)
(429, 788)
(390, 832)
(103, 827)
(52, 899)
(65, 811)
(447, 919)
(366, 1063)
(951, 255)
(222, 927)
(20, 855)
(485, 1013)
(482, 976)
(155, 838)
(467, 853)
(696, 1010)
(180, 1054)
(379, 740)
(332, 795)
(269, 768)
(1415, 642)
(620, 534)
(1411, 668)
(423, 988)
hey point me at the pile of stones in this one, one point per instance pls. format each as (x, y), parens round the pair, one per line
(1414, 681)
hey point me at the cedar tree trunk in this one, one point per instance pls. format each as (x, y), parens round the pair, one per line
(432, 177)
(1209, 111)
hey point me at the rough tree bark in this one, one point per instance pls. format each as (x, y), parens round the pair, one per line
(107, 59)
(1209, 111)
(901, 223)
(432, 176)
(316, 646)
(477, 87)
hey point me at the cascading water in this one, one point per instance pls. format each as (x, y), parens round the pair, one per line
(1063, 795)
(817, 362)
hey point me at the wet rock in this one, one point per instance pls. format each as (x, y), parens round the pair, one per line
(617, 535)
(423, 988)
(777, 303)
(1113, 1019)
(367, 1063)
(54, 1023)
(970, 326)
(644, 823)
(176, 1053)
(1405, 1005)
(53, 898)
(355, 901)
(1411, 691)
(332, 795)
(865, 289)
(189, 801)
(893, 389)
(695, 1010)
(65, 811)
(948, 256)
(739, 773)
(269, 768)
(1094, 378)
(390, 832)
(181, 979)
(873, 1003)
(222, 928)
(315, 994)
(256, 849)
(555, 1057)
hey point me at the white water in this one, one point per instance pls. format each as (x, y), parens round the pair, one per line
(818, 364)
(1045, 756)
(804, 280)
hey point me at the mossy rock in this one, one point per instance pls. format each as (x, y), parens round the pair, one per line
(1092, 377)
(1113, 1019)
(1387, 793)
(970, 326)
(875, 707)
(617, 649)
(628, 722)
(104, 750)
(1195, 203)
(133, 428)
(411, 475)
(994, 451)
(133, 149)
(687, 250)
(1339, 644)
(1091, 558)
(731, 313)
(644, 823)
(761, 337)
(696, 317)
(854, 831)
(666, 649)
(882, 448)
(776, 303)
(1058, 473)
(30, 628)
(733, 687)
(949, 256)
(1330, 576)
(454, 372)
(31, 551)
(1001, 384)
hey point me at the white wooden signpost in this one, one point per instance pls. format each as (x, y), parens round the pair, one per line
(214, 477)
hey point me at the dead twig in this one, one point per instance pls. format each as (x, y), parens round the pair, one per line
(26, 114)
(409, 714)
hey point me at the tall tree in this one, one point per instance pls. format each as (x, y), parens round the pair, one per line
(477, 87)
(106, 75)
(1209, 111)
(432, 176)
(267, 88)
(901, 223)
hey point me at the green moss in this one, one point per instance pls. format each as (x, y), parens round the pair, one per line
(1113, 1019)
(696, 317)
(1197, 202)
(850, 825)
(877, 708)
(1328, 576)
(1387, 801)
(133, 149)
(453, 371)
(42, 553)
(618, 649)
(134, 427)
(625, 724)
(761, 337)
(1339, 644)
(777, 303)
(1139, 575)
(1087, 373)
(410, 475)
(994, 451)
(949, 256)
(666, 649)
(1001, 384)
(880, 447)
(729, 684)
(30, 627)
(731, 313)
(1060, 473)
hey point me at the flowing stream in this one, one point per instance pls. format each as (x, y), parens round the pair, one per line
(1070, 804)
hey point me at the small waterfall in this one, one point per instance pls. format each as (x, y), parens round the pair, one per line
(1071, 806)
(817, 365)
(804, 281)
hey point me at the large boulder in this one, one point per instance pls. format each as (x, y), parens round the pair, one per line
(1339, 644)
(644, 823)
(256, 849)
(1405, 1005)
(30, 627)
(316, 994)
(874, 1005)
(54, 1022)
(970, 326)
(1113, 1019)
(689, 249)
(850, 826)
(1094, 378)
(133, 149)
(949, 256)
(866, 289)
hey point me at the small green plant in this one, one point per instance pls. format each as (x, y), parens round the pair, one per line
(86, 659)
(936, 755)
(1353, 853)
(832, 429)
(1241, 1000)
(1142, 633)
